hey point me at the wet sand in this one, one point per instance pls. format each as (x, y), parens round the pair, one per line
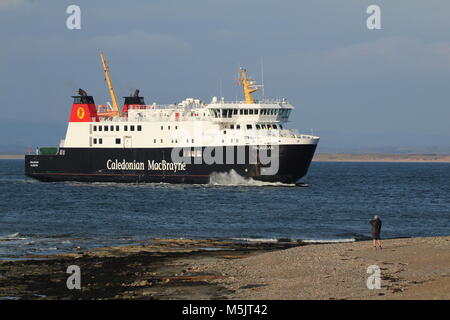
(416, 268)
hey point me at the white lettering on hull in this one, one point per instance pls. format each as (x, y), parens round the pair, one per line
(152, 165)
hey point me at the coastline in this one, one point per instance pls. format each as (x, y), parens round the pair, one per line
(400, 158)
(411, 268)
(341, 157)
(12, 156)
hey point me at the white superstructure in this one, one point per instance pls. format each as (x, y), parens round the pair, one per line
(190, 123)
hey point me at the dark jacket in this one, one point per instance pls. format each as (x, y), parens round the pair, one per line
(376, 228)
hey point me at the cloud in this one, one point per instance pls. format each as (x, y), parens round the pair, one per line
(133, 41)
(10, 4)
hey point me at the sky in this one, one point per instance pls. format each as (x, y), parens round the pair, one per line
(356, 88)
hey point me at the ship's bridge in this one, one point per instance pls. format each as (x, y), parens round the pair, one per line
(261, 111)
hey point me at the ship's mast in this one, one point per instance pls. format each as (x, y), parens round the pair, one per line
(248, 86)
(115, 106)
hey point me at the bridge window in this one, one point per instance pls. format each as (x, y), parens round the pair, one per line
(241, 112)
(256, 111)
(235, 111)
(251, 111)
(245, 111)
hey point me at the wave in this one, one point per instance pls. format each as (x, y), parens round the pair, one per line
(232, 178)
(13, 236)
(259, 240)
(313, 241)
(284, 240)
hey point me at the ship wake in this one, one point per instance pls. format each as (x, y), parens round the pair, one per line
(232, 178)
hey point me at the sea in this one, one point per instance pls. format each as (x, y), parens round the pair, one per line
(336, 205)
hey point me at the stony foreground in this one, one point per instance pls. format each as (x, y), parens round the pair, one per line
(416, 268)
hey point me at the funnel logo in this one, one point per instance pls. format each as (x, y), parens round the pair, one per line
(80, 113)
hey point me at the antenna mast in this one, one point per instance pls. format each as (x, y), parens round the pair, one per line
(249, 86)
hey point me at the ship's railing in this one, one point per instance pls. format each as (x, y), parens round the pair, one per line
(261, 101)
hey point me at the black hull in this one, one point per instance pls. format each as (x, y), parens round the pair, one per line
(91, 165)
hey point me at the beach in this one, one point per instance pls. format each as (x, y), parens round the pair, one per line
(410, 268)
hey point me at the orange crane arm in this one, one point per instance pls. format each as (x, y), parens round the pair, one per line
(110, 86)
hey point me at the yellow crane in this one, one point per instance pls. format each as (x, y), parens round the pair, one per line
(115, 106)
(248, 86)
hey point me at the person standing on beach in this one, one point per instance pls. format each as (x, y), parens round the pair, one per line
(376, 230)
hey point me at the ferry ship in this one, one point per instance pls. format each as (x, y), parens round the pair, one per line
(187, 142)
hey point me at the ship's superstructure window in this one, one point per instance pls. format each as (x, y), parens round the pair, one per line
(162, 127)
(117, 140)
(238, 126)
(125, 128)
(105, 128)
(100, 141)
(258, 126)
(232, 126)
(95, 140)
(117, 128)
(274, 126)
(95, 128)
(139, 128)
(154, 140)
(111, 128)
(131, 128)
(249, 126)
(99, 128)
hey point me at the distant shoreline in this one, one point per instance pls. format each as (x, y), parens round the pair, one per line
(338, 157)
(403, 158)
(12, 156)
